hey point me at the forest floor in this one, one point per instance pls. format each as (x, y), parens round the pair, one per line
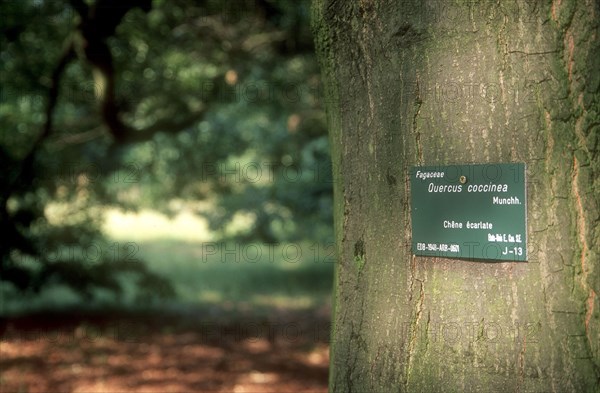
(238, 323)
(119, 352)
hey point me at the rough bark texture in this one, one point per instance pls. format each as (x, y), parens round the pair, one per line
(451, 82)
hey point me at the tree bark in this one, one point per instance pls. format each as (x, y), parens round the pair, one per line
(458, 82)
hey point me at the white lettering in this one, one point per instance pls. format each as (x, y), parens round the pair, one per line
(479, 225)
(487, 187)
(453, 225)
(506, 201)
(444, 188)
(428, 175)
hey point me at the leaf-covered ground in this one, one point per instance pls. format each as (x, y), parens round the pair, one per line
(116, 352)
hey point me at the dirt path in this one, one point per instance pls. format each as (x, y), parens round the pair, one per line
(108, 353)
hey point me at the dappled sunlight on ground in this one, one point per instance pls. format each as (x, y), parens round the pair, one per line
(151, 225)
(115, 354)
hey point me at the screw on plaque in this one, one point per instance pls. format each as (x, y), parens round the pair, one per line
(463, 179)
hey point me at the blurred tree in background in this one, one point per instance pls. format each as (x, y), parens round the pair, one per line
(214, 105)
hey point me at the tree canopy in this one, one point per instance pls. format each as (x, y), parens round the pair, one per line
(140, 103)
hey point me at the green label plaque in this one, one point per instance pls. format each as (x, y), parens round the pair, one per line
(470, 211)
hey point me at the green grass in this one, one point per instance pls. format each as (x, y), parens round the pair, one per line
(246, 275)
(207, 272)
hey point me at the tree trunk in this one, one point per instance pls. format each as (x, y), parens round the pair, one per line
(457, 82)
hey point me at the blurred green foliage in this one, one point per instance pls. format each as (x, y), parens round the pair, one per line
(220, 110)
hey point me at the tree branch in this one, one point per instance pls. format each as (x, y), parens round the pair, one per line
(24, 171)
(97, 24)
(25, 167)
